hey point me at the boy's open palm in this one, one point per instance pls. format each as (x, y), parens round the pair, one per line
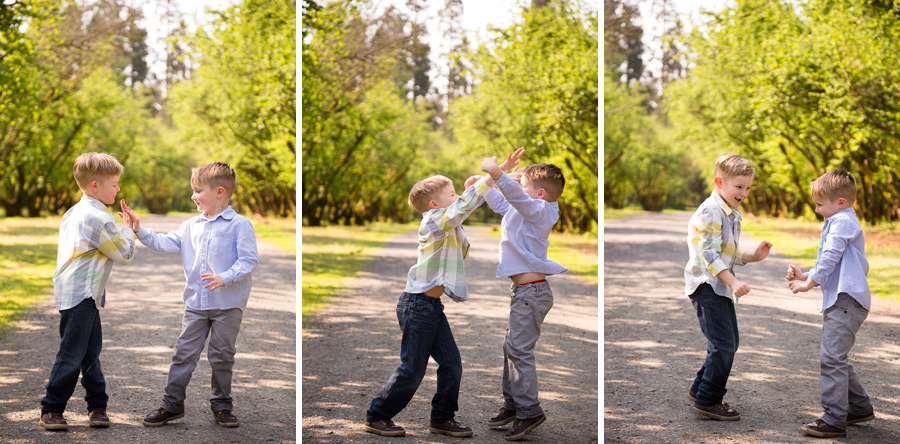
(512, 160)
(762, 250)
(128, 215)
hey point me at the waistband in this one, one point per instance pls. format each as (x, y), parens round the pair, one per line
(433, 300)
(534, 282)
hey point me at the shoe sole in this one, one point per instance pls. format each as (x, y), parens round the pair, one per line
(383, 432)
(819, 434)
(526, 431)
(715, 416)
(501, 422)
(100, 424)
(161, 423)
(54, 426)
(449, 433)
(863, 419)
(227, 424)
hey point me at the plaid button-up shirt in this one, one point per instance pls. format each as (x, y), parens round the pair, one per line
(89, 243)
(713, 235)
(443, 246)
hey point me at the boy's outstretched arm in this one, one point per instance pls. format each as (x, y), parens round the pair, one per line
(762, 251)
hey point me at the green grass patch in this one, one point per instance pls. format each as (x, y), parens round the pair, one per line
(27, 262)
(798, 241)
(332, 255)
(281, 232)
(577, 252)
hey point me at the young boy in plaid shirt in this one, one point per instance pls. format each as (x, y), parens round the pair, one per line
(440, 269)
(89, 243)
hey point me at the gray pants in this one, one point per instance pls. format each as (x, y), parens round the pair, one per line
(528, 306)
(841, 390)
(222, 327)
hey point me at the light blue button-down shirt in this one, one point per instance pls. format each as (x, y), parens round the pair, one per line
(225, 245)
(841, 264)
(524, 230)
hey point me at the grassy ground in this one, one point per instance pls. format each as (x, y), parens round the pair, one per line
(332, 255)
(27, 263)
(614, 213)
(28, 258)
(799, 241)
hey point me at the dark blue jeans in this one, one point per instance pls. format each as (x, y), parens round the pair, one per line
(426, 332)
(81, 339)
(719, 324)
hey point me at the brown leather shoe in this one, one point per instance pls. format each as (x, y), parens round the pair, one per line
(856, 419)
(504, 417)
(722, 412)
(161, 416)
(54, 421)
(384, 427)
(98, 418)
(522, 427)
(225, 419)
(451, 428)
(822, 429)
(692, 396)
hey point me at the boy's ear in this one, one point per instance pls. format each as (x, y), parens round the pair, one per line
(718, 181)
(841, 201)
(542, 193)
(94, 186)
(432, 205)
(220, 191)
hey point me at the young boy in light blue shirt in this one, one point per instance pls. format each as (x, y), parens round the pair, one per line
(528, 205)
(218, 251)
(841, 269)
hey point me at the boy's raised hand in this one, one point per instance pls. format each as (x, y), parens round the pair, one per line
(762, 250)
(135, 222)
(471, 180)
(512, 159)
(794, 273)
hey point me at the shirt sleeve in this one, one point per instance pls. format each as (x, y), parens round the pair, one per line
(116, 245)
(169, 243)
(247, 256)
(840, 234)
(496, 201)
(454, 215)
(529, 208)
(707, 241)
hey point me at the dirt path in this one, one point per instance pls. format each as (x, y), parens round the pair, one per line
(351, 348)
(141, 322)
(653, 347)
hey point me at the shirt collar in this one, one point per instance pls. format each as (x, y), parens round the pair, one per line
(725, 207)
(848, 210)
(227, 214)
(92, 202)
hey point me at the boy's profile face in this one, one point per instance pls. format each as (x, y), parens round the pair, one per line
(205, 197)
(531, 190)
(105, 189)
(734, 190)
(827, 207)
(444, 198)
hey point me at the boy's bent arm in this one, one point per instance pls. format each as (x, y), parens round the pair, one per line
(458, 211)
(836, 241)
(247, 256)
(168, 243)
(529, 208)
(116, 245)
(496, 201)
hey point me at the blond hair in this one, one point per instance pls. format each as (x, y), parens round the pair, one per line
(732, 165)
(95, 166)
(833, 185)
(426, 190)
(546, 176)
(216, 174)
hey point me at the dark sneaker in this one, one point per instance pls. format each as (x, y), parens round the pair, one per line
(451, 428)
(98, 418)
(522, 427)
(854, 419)
(161, 416)
(384, 427)
(225, 419)
(692, 396)
(504, 417)
(54, 421)
(722, 412)
(822, 430)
